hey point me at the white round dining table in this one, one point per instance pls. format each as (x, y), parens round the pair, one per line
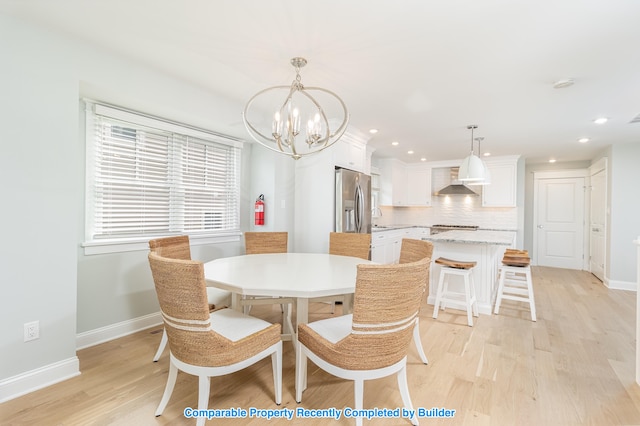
(298, 276)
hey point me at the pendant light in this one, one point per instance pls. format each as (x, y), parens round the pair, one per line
(487, 175)
(472, 168)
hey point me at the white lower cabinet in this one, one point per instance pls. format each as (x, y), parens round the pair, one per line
(385, 246)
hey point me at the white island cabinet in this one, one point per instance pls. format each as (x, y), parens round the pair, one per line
(484, 247)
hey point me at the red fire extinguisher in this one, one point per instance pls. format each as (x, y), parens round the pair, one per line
(259, 210)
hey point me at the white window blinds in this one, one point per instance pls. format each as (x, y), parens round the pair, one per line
(148, 177)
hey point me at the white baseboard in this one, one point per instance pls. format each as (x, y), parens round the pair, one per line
(621, 285)
(114, 331)
(39, 378)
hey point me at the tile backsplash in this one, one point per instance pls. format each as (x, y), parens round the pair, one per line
(455, 210)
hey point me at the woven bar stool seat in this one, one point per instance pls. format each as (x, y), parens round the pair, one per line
(514, 280)
(445, 296)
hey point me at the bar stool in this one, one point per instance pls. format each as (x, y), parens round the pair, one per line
(515, 283)
(443, 294)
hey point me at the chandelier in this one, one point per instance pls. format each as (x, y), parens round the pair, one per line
(472, 170)
(273, 117)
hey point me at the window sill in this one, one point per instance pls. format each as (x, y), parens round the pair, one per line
(118, 246)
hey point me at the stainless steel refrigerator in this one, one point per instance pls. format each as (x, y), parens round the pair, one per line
(353, 201)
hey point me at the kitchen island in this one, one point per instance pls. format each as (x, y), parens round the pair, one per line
(484, 247)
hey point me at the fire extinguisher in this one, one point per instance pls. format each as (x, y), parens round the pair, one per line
(259, 210)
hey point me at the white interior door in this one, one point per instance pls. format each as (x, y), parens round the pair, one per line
(597, 228)
(559, 233)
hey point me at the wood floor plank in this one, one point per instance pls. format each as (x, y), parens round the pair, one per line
(574, 366)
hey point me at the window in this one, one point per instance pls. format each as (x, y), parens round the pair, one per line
(147, 177)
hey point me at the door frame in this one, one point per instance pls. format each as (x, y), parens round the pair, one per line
(562, 174)
(595, 168)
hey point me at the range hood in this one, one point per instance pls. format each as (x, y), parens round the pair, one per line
(456, 187)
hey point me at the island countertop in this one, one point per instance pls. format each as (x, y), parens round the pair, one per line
(502, 238)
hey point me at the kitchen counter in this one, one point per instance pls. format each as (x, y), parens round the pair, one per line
(486, 248)
(393, 227)
(503, 238)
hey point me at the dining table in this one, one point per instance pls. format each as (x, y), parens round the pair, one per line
(297, 277)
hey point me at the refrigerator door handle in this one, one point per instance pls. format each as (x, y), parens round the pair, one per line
(359, 208)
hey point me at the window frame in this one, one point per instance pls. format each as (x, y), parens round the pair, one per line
(92, 245)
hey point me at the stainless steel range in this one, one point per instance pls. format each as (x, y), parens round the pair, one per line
(437, 229)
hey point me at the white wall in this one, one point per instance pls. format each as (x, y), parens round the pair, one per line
(40, 186)
(45, 274)
(273, 175)
(625, 213)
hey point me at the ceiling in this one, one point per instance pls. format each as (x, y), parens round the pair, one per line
(420, 71)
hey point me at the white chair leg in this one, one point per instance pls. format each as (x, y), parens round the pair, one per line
(276, 364)
(500, 290)
(168, 389)
(358, 386)
(418, 342)
(467, 295)
(473, 295)
(438, 295)
(404, 392)
(532, 302)
(301, 373)
(204, 384)
(163, 344)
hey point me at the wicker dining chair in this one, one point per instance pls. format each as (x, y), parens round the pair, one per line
(265, 243)
(347, 244)
(204, 343)
(373, 342)
(413, 250)
(178, 247)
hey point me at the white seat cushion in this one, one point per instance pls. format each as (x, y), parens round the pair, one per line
(235, 325)
(333, 329)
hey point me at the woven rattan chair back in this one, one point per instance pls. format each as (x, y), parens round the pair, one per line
(386, 304)
(413, 250)
(265, 242)
(180, 286)
(172, 247)
(350, 244)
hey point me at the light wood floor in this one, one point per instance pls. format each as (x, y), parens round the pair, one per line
(574, 366)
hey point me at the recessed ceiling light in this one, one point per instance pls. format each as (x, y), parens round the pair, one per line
(553, 160)
(409, 152)
(394, 143)
(561, 84)
(601, 120)
(583, 140)
(486, 154)
(373, 131)
(423, 159)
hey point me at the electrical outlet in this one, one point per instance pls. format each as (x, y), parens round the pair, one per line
(31, 330)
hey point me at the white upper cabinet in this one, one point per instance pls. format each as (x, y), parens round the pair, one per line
(350, 152)
(501, 192)
(350, 155)
(404, 185)
(393, 183)
(419, 186)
